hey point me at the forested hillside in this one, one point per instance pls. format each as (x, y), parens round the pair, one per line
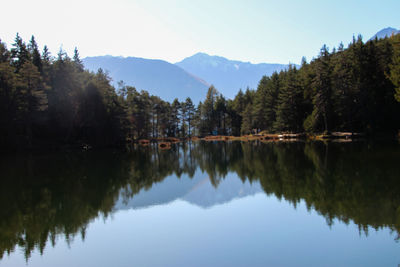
(48, 101)
(353, 89)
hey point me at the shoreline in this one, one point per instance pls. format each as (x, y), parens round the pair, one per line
(165, 143)
(339, 137)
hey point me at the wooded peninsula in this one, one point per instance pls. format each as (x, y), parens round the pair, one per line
(53, 102)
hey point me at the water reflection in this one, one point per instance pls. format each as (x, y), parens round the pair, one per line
(44, 196)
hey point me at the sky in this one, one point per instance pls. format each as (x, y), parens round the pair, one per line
(256, 31)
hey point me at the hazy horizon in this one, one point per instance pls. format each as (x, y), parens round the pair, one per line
(251, 31)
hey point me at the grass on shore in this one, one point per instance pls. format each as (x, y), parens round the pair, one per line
(165, 143)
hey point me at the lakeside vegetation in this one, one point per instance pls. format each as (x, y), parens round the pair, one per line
(53, 102)
(60, 194)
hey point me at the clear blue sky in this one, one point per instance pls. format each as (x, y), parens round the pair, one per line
(248, 30)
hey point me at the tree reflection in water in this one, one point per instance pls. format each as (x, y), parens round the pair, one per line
(43, 196)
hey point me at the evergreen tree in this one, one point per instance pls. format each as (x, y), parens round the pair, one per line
(175, 117)
(220, 114)
(266, 102)
(247, 114)
(183, 118)
(165, 114)
(31, 98)
(19, 53)
(46, 56)
(4, 53)
(208, 110)
(345, 89)
(8, 99)
(247, 120)
(236, 110)
(395, 67)
(199, 121)
(290, 108)
(63, 97)
(322, 84)
(77, 60)
(394, 77)
(260, 104)
(190, 114)
(35, 54)
(46, 65)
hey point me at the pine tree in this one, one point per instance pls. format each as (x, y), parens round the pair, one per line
(183, 117)
(4, 53)
(77, 60)
(344, 94)
(271, 101)
(46, 61)
(247, 114)
(395, 67)
(46, 56)
(247, 121)
(200, 121)
(19, 53)
(260, 104)
(8, 98)
(175, 117)
(236, 109)
(35, 54)
(290, 108)
(265, 102)
(190, 113)
(31, 98)
(164, 118)
(220, 114)
(208, 110)
(323, 90)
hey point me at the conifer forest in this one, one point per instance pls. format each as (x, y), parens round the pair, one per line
(51, 101)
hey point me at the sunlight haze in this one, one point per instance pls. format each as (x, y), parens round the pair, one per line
(255, 31)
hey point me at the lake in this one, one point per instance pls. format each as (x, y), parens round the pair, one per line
(204, 204)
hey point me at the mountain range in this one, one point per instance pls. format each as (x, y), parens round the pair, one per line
(158, 77)
(192, 76)
(228, 76)
(386, 32)
(197, 191)
(189, 77)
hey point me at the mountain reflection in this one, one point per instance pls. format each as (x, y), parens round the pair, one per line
(43, 196)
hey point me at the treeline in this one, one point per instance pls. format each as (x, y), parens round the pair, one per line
(353, 89)
(54, 101)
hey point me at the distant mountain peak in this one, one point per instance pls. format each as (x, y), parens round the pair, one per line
(386, 32)
(205, 59)
(389, 29)
(158, 77)
(228, 76)
(201, 54)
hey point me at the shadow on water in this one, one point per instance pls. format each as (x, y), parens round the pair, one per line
(44, 196)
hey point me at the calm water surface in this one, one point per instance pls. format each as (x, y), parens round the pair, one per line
(204, 204)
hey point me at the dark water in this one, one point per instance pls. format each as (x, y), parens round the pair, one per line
(204, 204)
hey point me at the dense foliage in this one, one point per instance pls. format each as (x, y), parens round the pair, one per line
(353, 89)
(52, 102)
